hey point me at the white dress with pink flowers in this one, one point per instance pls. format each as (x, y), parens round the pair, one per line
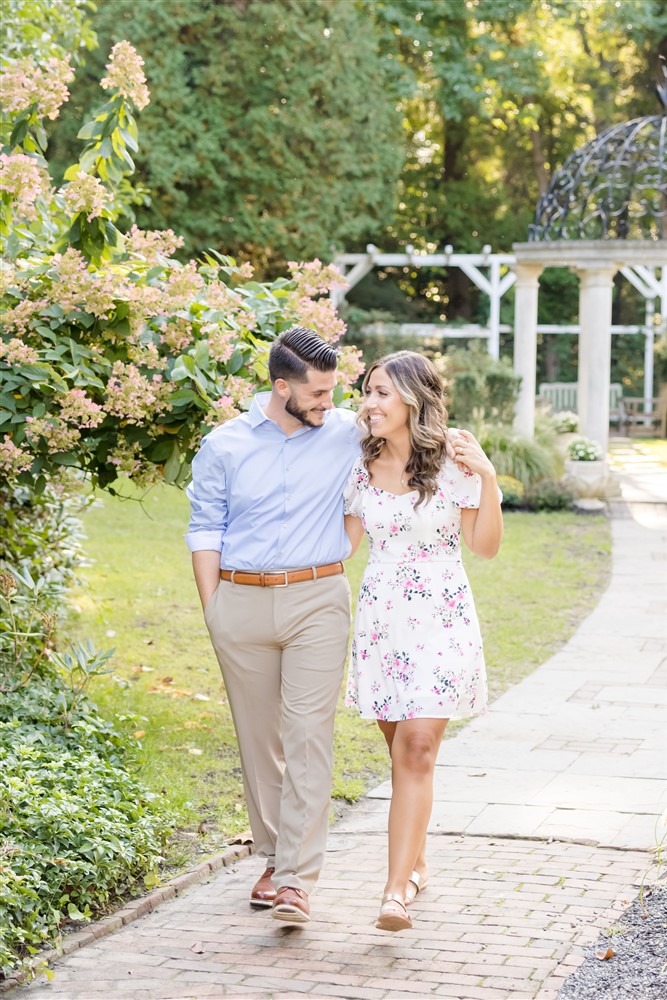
(417, 649)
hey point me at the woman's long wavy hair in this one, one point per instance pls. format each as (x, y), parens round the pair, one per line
(420, 386)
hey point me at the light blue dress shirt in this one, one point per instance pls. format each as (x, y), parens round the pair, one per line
(267, 500)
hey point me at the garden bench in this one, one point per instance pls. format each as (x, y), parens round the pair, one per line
(561, 396)
(653, 422)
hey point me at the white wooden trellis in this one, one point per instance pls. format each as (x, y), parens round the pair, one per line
(649, 281)
(495, 285)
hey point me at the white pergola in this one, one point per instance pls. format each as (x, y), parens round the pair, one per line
(642, 262)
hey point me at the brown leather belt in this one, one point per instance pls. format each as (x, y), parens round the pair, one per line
(282, 577)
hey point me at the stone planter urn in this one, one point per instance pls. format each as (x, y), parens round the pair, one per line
(564, 440)
(591, 479)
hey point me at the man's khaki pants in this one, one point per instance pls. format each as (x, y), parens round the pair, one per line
(282, 652)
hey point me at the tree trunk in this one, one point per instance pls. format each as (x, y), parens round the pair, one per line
(538, 161)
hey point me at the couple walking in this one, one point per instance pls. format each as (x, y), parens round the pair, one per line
(280, 497)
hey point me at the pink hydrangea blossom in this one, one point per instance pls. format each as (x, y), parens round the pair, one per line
(77, 407)
(13, 460)
(224, 410)
(223, 298)
(318, 315)
(184, 285)
(146, 356)
(15, 352)
(239, 389)
(221, 342)
(177, 333)
(129, 461)
(78, 288)
(53, 432)
(226, 300)
(145, 301)
(25, 180)
(20, 317)
(350, 365)
(125, 74)
(24, 83)
(132, 396)
(313, 278)
(152, 244)
(85, 194)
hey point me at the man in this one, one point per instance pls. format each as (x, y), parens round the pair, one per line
(268, 541)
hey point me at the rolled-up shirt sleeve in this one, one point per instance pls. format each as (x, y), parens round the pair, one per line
(207, 494)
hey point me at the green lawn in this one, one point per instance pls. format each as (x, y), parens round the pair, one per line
(138, 595)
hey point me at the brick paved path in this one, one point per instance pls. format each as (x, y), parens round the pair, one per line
(499, 919)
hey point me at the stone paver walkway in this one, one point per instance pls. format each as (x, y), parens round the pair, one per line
(545, 813)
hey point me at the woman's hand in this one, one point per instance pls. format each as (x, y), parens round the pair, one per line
(469, 454)
(482, 527)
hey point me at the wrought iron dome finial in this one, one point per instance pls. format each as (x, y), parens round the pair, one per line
(661, 88)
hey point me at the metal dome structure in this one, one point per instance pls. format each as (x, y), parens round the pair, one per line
(614, 187)
(604, 212)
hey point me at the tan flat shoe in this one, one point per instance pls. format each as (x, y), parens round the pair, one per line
(393, 914)
(416, 884)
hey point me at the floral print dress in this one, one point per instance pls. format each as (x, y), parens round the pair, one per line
(417, 649)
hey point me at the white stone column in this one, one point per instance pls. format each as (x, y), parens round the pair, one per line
(525, 343)
(595, 291)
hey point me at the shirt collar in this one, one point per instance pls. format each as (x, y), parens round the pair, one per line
(257, 414)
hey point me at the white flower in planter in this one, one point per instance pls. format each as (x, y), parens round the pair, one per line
(565, 422)
(585, 450)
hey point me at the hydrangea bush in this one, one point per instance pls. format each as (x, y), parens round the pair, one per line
(115, 356)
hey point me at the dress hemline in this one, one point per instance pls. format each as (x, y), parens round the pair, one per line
(451, 718)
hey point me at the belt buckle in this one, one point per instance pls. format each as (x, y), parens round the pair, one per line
(284, 573)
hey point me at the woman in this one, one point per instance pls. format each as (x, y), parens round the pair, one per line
(417, 658)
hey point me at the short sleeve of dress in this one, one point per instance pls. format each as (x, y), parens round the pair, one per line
(353, 494)
(464, 487)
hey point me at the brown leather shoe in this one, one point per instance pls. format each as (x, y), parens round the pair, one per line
(263, 892)
(291, 905)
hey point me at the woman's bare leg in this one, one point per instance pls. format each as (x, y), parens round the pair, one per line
(413, 746)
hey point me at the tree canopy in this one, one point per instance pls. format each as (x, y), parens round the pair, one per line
(285, 128)
(272, 130)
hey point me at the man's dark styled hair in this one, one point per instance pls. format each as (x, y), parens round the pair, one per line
(297, 350)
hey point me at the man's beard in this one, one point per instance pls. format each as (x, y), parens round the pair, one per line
(299, 414)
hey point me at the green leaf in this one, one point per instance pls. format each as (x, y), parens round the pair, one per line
(20, 129)
(66, 458)
(202, 357)
(173, 465)
(236, 361)
(91, 130)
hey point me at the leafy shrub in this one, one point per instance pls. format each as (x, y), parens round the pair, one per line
(41, 537)
(512, 455)
(548, 494)
(78, 829)
(480, 384)
(513, 492)
(565, 422)
(584, 450)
